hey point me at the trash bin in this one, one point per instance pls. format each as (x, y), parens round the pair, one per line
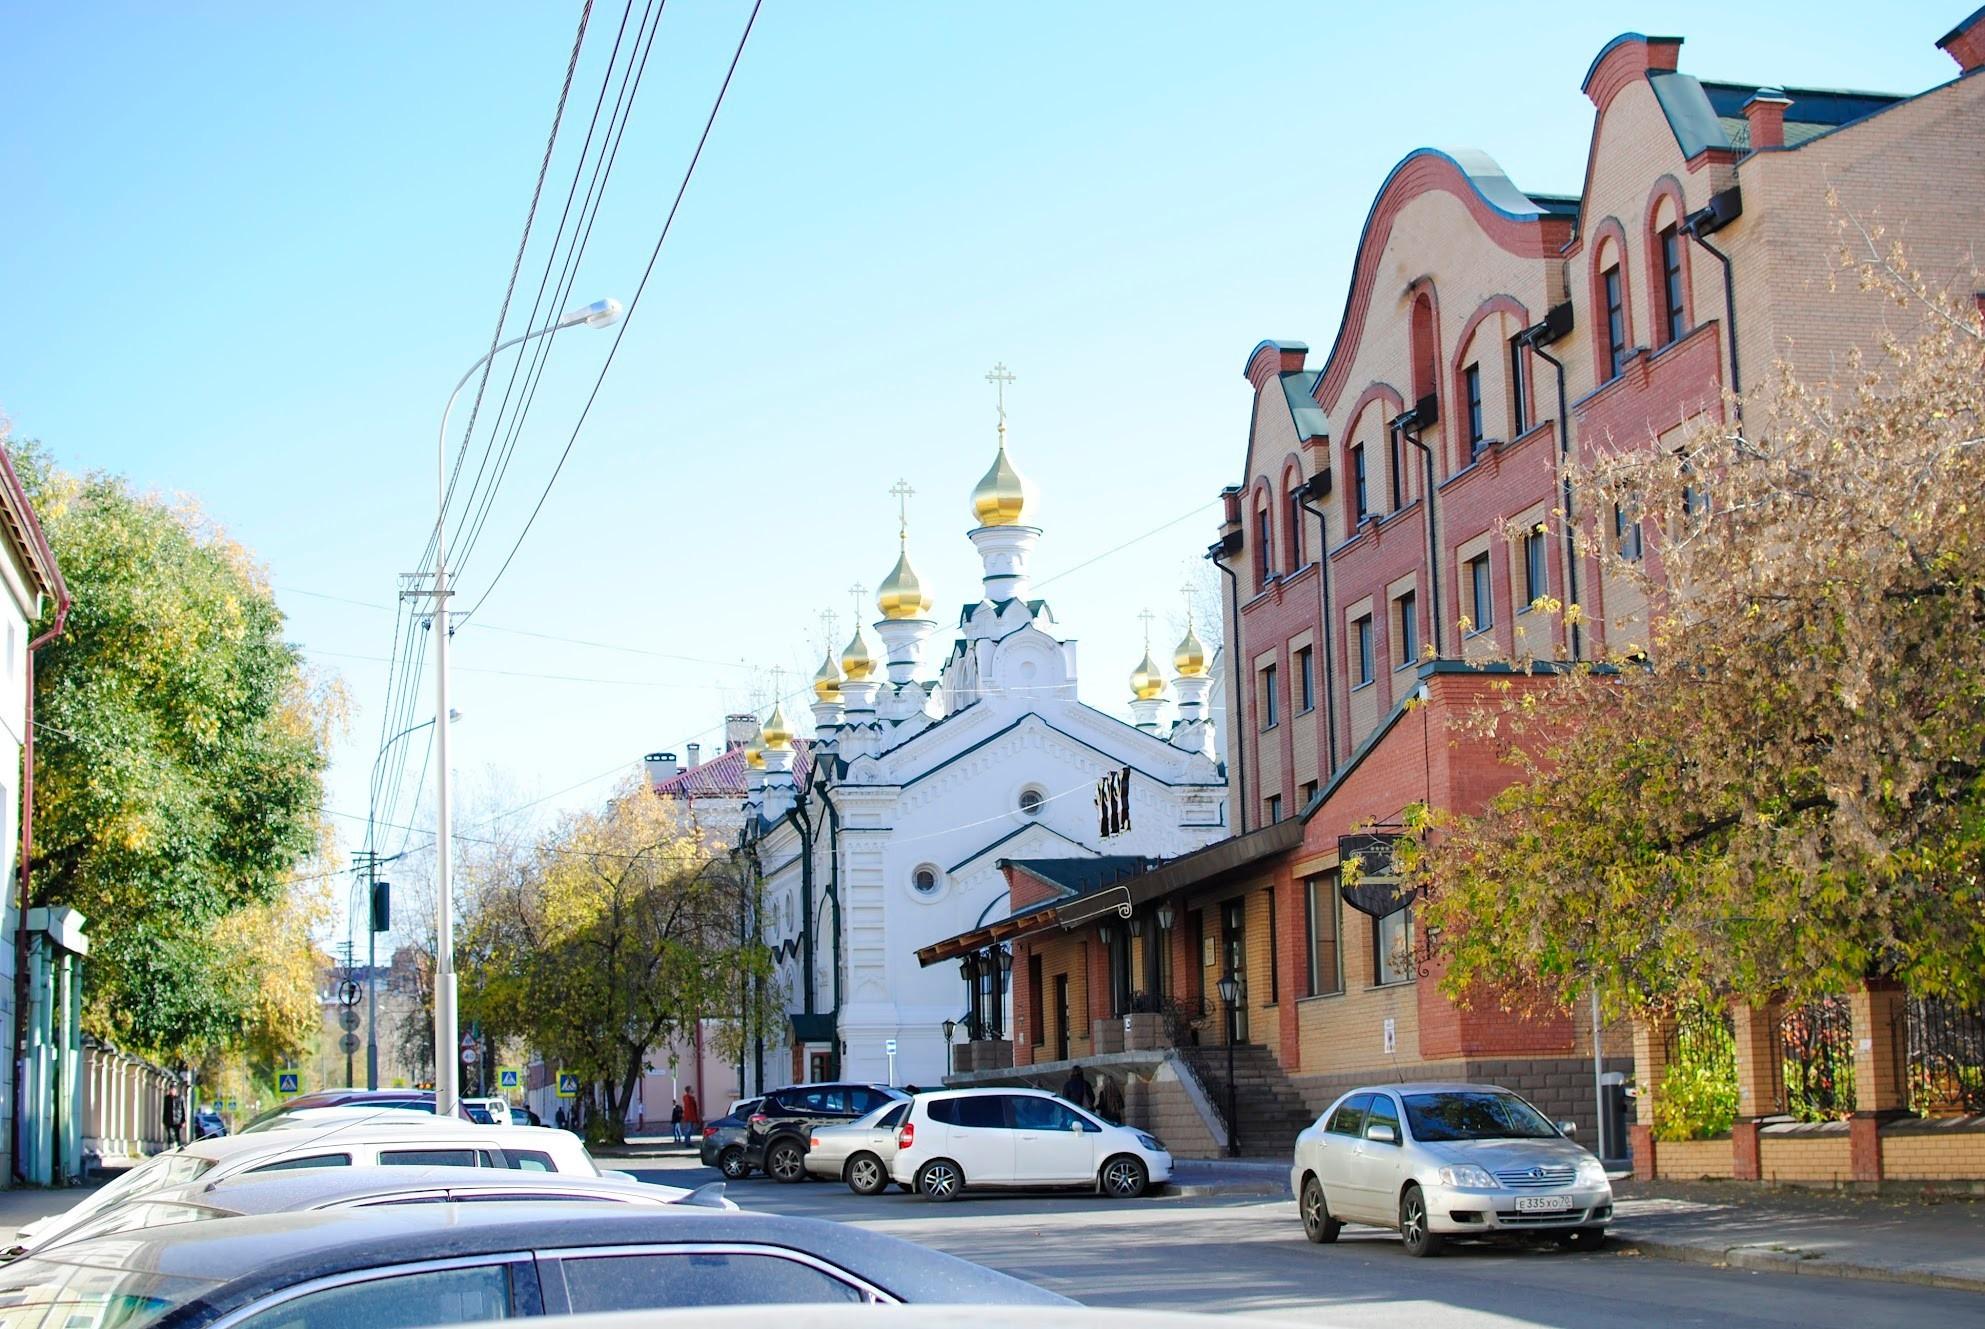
(1613, 1099)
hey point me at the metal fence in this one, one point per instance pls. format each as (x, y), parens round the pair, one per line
(1818, 1039)
(1946, 1056)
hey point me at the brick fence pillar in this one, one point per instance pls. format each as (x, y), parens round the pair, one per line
(1879, 1089)
(1651, 1033)
(1760, 1081)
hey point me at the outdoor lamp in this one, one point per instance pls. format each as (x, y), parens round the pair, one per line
(950, 1030)
(968, 968)
(599, 314)
(1105, 932)
(1165, 917)
(1229, 989)
(1136, 926)
(1005, 960)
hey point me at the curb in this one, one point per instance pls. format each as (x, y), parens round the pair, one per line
(1218, 1189)
(1775, 1260)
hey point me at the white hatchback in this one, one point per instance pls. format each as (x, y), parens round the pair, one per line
(1019, 1138)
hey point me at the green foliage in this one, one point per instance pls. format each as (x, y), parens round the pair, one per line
(179, 758)
(1698, 1098)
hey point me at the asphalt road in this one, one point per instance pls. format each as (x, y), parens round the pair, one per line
(1249, 1256)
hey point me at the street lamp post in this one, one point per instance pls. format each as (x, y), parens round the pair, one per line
(447, 1052)
(372, 862)
(1230, 990)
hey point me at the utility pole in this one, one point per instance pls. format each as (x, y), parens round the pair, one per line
(347, 945)
(368, 861)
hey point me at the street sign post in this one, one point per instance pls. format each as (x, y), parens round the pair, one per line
(568, 1084)
(349, 1043)
(510, 1079)
(289, 1083)
(470, 1056)
(349, 993)
(889, 1047)
(348, 1018)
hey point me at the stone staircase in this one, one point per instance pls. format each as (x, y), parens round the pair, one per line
(1271, 1109)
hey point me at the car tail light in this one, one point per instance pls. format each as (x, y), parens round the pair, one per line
(709, 1131)
(813, 1142)
(906, 1135)
(758, 1119)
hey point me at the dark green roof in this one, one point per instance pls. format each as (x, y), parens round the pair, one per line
(1083, 876)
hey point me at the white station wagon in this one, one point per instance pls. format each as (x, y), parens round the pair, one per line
(1435, 1161)
(961, 1139)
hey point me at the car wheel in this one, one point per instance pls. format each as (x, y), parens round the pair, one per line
(784, 1162)
(1420, 1240)
(864, 1175)
(940, 1180)
(1124, 1178)
(1318, 1225)
(1582, 1238)
(731, 1163)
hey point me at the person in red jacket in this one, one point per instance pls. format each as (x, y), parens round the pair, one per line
(690, 1114)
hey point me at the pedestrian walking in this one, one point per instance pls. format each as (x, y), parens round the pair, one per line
(1109, 1100)
(691, 1117)
(561, 1119)
(676, 1125)
(1076, 1089)
(174, 1116)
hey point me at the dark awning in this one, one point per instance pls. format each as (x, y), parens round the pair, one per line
(812, 1028)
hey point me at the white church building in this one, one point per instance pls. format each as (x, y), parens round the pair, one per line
(926, 769)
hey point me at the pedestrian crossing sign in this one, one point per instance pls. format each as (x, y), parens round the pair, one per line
(568, 1084)
(509, 1077)
(289, 1083)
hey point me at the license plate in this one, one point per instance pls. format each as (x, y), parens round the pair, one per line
(1542, 1204)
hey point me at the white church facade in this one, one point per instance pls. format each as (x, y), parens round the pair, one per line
(922, 776)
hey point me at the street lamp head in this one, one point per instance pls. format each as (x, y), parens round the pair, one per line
(950, 1030)
(599, 314)
(453, 715)
(1229, 989)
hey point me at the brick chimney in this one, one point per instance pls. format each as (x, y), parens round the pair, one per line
(695, 756)
(739, 730)
(1766, 113)
(660, 767)
(1966, 42)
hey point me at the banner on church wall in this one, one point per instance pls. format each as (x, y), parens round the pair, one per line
(1113, 803)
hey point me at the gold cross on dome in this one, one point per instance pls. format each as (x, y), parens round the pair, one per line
(1147, 616)
(902, 493)
(999, 377)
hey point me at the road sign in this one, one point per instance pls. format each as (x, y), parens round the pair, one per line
(568, 1085)
(889, 1046)
(509, 1077)
(469, 1039)
(348, 1017)
(349, 992)
(349, 1044)
(289, 1083)
(470, 1056)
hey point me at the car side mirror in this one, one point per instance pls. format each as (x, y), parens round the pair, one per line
(1380, 1133)
(1567, 1129)
(1075, 1124)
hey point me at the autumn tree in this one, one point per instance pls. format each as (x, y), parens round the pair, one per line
(620, 931)
(1786, 793)
(178, 764)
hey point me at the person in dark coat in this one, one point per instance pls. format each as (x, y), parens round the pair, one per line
(675, 1125)
(1109, 1100)
(174, 1116)
(1076, 1089)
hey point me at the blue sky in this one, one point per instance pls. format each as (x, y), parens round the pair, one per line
(246, 251)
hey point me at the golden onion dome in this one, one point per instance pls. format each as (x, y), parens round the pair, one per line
(777, 735)
(856, 660)
(827, 683)
(754, 753)
(1190, 656)
(902, 595)
(1146, 683)
(1001, 496)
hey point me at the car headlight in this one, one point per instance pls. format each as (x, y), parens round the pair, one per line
(1591, 1171)
(1150, 1142)
(1468, 1177)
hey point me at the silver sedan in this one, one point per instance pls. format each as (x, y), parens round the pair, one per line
(1436, 1161)
(859, 1152)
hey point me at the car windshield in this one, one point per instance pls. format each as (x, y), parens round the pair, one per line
(1463, 1115)
(154, 1174)
(49, 1294)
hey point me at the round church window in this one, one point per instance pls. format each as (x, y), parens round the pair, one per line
(924, 880)
(1030, 802)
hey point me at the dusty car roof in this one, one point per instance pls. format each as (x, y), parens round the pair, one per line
(244, 1258)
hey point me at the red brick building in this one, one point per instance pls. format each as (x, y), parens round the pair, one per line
(1398, 523)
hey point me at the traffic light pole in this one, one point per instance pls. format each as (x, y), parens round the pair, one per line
(371, 972)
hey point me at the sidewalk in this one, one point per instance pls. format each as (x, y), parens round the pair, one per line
(1195, 1178)
(20, 1207)
(1933, 1243)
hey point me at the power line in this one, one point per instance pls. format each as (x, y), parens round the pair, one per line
(627, 319)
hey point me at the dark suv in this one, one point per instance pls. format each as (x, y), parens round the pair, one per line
(776, 1144)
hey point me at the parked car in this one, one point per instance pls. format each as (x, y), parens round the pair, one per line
(961, 1139)
(462, 1263)
(320, 1118)
(1437, 1161)
(496, 1110)
(363, 1143)
(523, 1116)
(859, 1152)
(723, 1140)
(784, 1122)
(208, 1124)
(309, 1189)
(420, 1100)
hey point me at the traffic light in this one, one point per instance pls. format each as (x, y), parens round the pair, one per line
(382, 911)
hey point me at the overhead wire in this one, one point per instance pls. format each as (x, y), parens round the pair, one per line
(627, 318)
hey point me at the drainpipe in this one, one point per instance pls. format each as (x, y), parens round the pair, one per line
(804, 825)
(1317, 486)
(27, 857)
(1408, 425)
(1218, 553)
(1722, 209)
(834, 898)
(1553, 327)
